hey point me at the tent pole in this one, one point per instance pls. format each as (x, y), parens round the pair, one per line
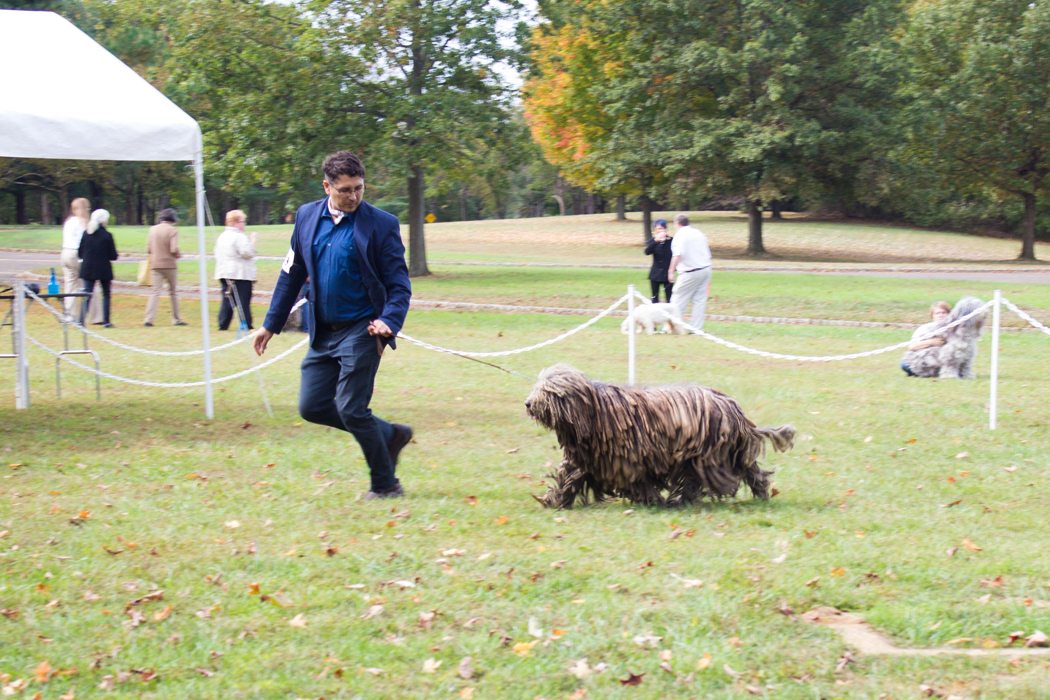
(198, 174)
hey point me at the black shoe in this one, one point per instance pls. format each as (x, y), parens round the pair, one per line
(402, 436)
(147, 324)
(108, 325)
(396, 492)
(181, 323)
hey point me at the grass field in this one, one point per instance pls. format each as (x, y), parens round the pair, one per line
(273, 570)
(599, 238)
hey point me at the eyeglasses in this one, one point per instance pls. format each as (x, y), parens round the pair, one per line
(346, 190)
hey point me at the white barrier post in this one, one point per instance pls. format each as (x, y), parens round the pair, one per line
(994, 398)
(630, 335)
(202, 262)
(18, 327)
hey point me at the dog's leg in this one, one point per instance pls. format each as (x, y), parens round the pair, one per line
(686, 485)
(569, 482)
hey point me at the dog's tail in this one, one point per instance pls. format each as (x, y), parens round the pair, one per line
(783, 438)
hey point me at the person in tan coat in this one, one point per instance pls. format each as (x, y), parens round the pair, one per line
(162, 246)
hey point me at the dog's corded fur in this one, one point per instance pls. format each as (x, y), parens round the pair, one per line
(954, 359)
(636, 443)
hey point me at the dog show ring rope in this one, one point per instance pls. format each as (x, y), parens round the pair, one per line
(144, 351)
(814, 358)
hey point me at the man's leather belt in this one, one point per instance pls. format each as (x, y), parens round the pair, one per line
(695, 269)
(338, 326)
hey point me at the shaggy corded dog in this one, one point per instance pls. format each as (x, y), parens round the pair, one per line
(636, 443)
(954, 359)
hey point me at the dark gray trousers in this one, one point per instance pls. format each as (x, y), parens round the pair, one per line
(338, 376)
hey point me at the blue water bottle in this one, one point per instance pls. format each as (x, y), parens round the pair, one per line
(52, 286)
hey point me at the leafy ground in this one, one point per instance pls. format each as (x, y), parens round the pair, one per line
(273, 570)
(599, 238)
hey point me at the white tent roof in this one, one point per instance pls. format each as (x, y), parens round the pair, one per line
(64, 96)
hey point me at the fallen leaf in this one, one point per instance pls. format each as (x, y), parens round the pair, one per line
(810, 534)
(952, 504)
(992, 583)
(162, 614)
(578, 694)
(471, 500)
(1010, 469)
(534, 628)
(233, 524)
(466, 693)
(838, 571)
(647, 640)
(729, 670)
(688, 582)
(465, 670)
(298, 621)
(523, 648)
(868, 439)
(372, 611)
(628, 511)
(559, 564)
(581, 669)
(512, 450)
(632, 679)
(985, 599)
(501, 520)
(374, 671)
(962, 455)
(426, 617)
(704, 661)
(1037, 639)
(43, 672)
(68, 696)
(665, 655)
(779, 559)
(812, 583)
(970, 545)
(91, 597)
(430, 666)
(960, 640)
(753, 689)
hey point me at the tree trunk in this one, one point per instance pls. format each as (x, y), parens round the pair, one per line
(590, 203)
(1028, 228)
(141, 208)
(129, 201)
(577, 206)
(775, 209)
(463, 203)
(646, 205)
(559, 195)
(20, 208)
(754, 229)
(45, 209)
(621, 207)
(63, 200)
(417, 247)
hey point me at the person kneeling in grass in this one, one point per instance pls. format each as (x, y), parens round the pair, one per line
(915, 354)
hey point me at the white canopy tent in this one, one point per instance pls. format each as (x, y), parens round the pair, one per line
(62, 95)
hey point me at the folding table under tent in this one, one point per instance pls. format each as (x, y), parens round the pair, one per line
(62, 95)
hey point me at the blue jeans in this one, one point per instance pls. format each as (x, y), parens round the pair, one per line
(338, 376)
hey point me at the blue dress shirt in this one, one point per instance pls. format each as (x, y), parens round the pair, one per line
(341, 295)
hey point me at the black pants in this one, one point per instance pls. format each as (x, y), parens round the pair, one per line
(655, 287)
(242, 289)
(89, 287)
(338, 376)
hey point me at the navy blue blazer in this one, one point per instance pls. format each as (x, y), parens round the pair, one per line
(380, 256)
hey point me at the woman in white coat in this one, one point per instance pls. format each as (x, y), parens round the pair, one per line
(72, 232)
(235, 269)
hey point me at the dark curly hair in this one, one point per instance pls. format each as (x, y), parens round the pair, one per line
(342, 163)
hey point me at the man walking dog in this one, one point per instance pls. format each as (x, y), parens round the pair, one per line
(359, 294)
(691, 265)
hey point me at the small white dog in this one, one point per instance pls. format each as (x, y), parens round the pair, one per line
(649, 316)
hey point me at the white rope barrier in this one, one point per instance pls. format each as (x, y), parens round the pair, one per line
(812, 358)
(145, 351)
(517, 351)
(1034, 323)
(168, 385)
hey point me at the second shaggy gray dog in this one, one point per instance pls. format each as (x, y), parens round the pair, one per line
(954, 359)
(636, 443)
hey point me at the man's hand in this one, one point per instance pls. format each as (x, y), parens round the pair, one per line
(261, 339)
(379, 327)
(670, 276)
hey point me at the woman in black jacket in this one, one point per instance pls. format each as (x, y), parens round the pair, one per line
(659, 246)
(97, 251)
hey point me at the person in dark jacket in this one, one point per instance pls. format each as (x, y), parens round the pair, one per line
(659, 246)
(97, 251)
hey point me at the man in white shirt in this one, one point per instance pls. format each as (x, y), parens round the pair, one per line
(690, 270)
